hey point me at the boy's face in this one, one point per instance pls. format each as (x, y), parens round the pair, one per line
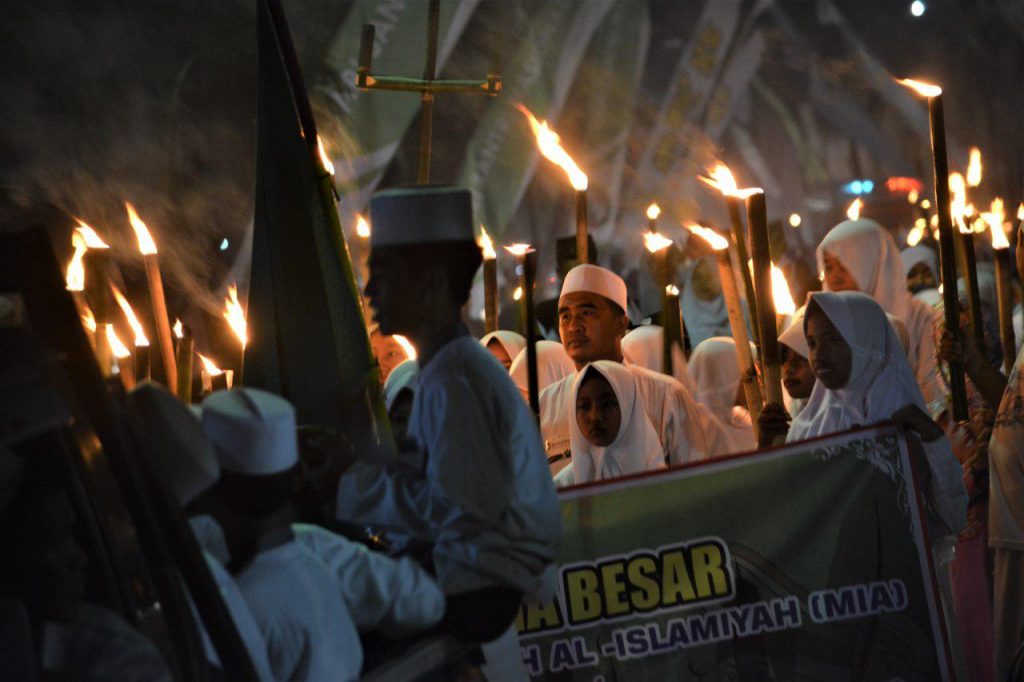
(831, 357)
(797, 376)
(597, 410)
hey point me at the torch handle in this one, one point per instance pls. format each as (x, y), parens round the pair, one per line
(771, 362)
(736, 221)
(529, 263)
(163, 325)
(744, 358)
(668, 333)
(186, 351)
(970, 269)
(582, 228)
(491, 294)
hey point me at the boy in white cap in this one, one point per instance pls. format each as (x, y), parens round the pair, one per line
(475, 493)
(592, 321)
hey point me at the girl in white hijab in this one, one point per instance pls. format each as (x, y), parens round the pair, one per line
(921, 268)
(860, 255)
(610, 432)
(717, 375)
(644, 346)
(553, 364)
(702, 304)
(504, 345)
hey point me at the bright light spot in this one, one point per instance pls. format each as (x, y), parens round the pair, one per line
(224, 244)
(795, 220)
(926, 204)
(868, 186)
(517, 294)
(917, 8)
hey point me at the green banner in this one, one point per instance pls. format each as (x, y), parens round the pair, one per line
(807, 562)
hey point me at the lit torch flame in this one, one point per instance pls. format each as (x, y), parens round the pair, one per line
(410, 350)
(92, 240)
(653, 211)
(140, 334)
(486, 244)
(724, 181)
(957, 199)
(655, 241)
(1020, 211)
(551, 149)
(921, 88)
(672, 290)
(234, 315)
(995, 217)
(119, 350)
(88, 319)
(916, 233)
(853, 212)
(324, 159)
(713, 239)
(974, 168)
(179, 331)
(146, 244)
(517, 294)
(912, 196)
(362, 226)
(76, 267)
(519, 249)
(784, 304)
(208, 365)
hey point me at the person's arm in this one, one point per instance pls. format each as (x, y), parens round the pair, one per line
(986, 378)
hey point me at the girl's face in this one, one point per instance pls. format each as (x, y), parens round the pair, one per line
(837, 277)
(797, 376)
(498, 351)
(597, 410)
(920, 277)
(831, 357)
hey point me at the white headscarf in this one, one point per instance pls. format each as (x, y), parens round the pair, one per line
(636, 447)
(880, 383)
(644, 346)
(717, 374)
(403, 376)
(920, 254)
(512, 342)
(793, 336)
(703, 319)
(553, 364)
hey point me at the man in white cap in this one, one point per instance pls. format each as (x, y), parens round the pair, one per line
(474, 492)
(592, 321)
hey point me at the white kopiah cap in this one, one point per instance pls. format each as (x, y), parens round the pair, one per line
(421, 215)
(596, 280)
(252, 431)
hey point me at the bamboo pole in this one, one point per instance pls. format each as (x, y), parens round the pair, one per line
(582, 227)
(163, 325)
(490, 294)
(771, 362)
(732, 203)
(1004, 292)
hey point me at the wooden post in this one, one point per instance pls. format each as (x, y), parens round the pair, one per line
(771, 362)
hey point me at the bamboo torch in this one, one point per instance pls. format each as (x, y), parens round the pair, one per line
(147, 247)
(658, 245)
(730, 292)
(96, 269)
(947, 263)
(550, 148)
(122, 357)
(213, 377)
(968, 263)
(995, 219)
(235, 316)
(185, 348)
(141, 354)
(771, 361)
(674, 331)
(490, 281)
(784, 303)
(526, 257)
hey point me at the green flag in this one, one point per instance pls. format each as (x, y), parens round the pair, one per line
(308, 339)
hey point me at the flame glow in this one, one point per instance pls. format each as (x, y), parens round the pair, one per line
(672, 290)
(724, 181)
(995, 217)
(324, 159)
(362, 226)
(655, 241)
(653, 211)
(916, 233)
(517, 294)
(974, 168)
(209, 366)
(912, 196)
(92, 240)
(551, 148)
(88, 319)
(486, 244)
(1020, 211)
(795, 220)
(146, 244)
(410, 350)
(179, 331)
(126, 307)
(519, 249)
(713, 239)
(235, 316)
(853, 212)
(926, 204)
(957, 198)
(921, 88)
(76, 267)
(784, 304)
(119, 350)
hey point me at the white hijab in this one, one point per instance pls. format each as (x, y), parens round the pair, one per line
(717, 375)
(703, 319)
(403, 376)
(920, 254)
(512, 342)
(553, 364)
(643, 346)
(636, 447)
(880, 383)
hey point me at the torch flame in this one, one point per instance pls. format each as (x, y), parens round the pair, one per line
(140, 334)
(853, 212)
(1020, 211)
(551, 148)
(234, 315)
(974, 168)
(672, 290)
(146, 244)
(119, 350)
(519, 249)
(655, 241)
(916, 233)
(179, 331)
(76, 268)
(324, 159)
(724, 181)
(88, 319)
(921, 88)
(362, 226)
(209, 366)
(784, 304)
(713, 239)
(957, 198)
(92, 240)
(486, 244)
(912, 196)
(410, 350)
(995, 217)
(517, 294)
(653, 211)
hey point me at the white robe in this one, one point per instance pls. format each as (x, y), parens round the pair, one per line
(644, 346)
(688, 431)
(478, 487)
(295, 600)
(636, 447)
(716, 371)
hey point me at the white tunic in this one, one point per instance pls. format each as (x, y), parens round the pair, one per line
(298, 607)
(478, 488)
(688, 431)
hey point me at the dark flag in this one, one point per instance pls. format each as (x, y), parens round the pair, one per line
(307, 336)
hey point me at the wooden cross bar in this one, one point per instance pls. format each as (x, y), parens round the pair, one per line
(427, 86)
